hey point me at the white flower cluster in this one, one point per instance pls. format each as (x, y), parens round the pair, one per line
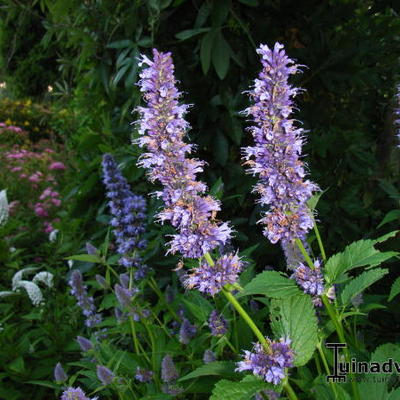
(4, 207)
(31, 287)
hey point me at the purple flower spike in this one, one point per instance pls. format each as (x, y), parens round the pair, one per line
(186, 332)
(278, 142)
(209, 356)
(169, 373)
(211, 279)
(59, 373)
(105, 375)
(85, 302)
(397, 113)
(75, 394)
(217, 324)
(124, 295)
(163, 129)
(269, 366)
(129, 212)
(310, 280)
(84, 344)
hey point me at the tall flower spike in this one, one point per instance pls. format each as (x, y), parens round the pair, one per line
(85, 302)
(75, 394)
(162, 129)
(217, 323)
(397, 113)
(129, 214)
(169, 373)
(278, 142)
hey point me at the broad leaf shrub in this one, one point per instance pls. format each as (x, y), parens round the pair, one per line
(232, 333)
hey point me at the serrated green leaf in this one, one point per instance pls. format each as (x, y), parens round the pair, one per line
(229, 390)
(188, 33)
(221, 56)
(271, 284)
(294, 318)
(360, 283)
(205, 50)
(219, 368)
(395, 289)
(357, 254)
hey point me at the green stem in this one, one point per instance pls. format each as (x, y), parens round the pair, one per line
(328, 372)
(305, 254)
(289, 390)
(340, 332)
(319, 240)
(241, 310)
(247, 319)
(153, 285)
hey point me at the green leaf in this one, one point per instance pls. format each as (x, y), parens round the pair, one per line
(395, 289)
(389, 217)
(221, 56)
(271, 284)
(214, 368)
(229, 390)
(360, 283)
(86, 258)
(205, 50)
(313, 201)
(188, 33)
(17, 365)
(294, 318)
(357, 254)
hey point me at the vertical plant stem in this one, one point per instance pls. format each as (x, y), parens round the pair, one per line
(247, 319)
(288, 389)
(305, 254)
(340, 332)
(328, 372)
(319, 240)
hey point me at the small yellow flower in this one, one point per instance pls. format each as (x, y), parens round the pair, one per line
(36, 129)
(8, 121)
(26, 123)
(28, 102)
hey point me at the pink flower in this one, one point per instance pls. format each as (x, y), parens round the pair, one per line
(56, 202)
(16, 169)
(23, 176)
(40, 211)
(48, 227)
(57, 166)
(34, 178)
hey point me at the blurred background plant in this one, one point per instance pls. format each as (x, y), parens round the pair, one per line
(68, 71)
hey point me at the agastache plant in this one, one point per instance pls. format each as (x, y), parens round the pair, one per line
(129, 214)
(275, 156)
(162, 129)
(192, 213)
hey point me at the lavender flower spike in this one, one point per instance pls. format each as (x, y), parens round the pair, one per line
(169, 373)
(269, 366)
(105, 375)
(85, 302)
(310, 280)
(397, 113)
(59, 373)
(75, 394)
(162, 129)
(187, 331)
(275, 156)
(129, 214)
(217, 324)
(84, 344)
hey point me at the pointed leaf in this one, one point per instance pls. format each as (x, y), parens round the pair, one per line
(360, 283)
(395, 289)
(219, 368)
(295, 318)
(271, 284)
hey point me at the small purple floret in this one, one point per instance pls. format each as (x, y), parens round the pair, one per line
(186, 331)
(211, 279)
(269, 366)
(310, 280)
